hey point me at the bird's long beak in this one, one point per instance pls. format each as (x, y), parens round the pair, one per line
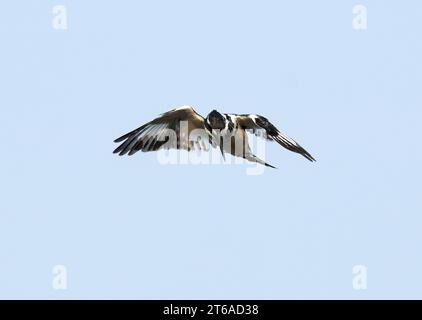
(222, 148)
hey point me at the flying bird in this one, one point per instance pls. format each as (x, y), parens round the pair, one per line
(183, 128)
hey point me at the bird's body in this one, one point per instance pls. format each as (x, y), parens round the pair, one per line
(183, 128)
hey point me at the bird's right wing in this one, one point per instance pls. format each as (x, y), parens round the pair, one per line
(172, 130)
(257, 123)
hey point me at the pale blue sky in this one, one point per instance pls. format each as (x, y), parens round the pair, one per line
(132, 228)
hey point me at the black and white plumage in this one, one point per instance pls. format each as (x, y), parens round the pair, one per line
(183, 128)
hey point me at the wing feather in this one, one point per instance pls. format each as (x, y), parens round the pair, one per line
(153, 135)
(257, 123)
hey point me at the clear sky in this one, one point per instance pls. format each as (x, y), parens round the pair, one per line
(133, 228)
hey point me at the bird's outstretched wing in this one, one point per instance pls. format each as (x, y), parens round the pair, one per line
(256, 123)
(176, 125)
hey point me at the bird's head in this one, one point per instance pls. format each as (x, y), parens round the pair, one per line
(216, 120)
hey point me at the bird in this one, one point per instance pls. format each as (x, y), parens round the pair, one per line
(184, 129)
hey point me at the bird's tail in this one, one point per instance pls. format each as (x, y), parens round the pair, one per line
(253, 158)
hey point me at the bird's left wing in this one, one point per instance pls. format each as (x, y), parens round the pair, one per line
(257, 123)
(156, 134)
